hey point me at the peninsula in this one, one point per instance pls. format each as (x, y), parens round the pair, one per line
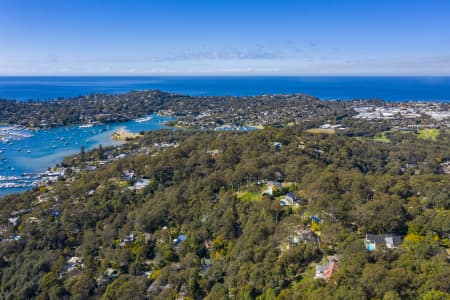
(218, 112)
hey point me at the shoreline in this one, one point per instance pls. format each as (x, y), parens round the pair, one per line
(52, 145)
(201, 86)
(124, 135)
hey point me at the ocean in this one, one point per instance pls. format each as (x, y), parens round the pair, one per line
(387, 88)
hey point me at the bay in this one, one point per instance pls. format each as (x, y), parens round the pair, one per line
(46, 148)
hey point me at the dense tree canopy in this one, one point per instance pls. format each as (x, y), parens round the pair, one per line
(203, 228)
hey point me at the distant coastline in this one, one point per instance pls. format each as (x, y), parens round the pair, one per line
(94, 119)
(388, 88)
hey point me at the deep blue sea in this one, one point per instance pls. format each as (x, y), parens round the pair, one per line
(387, 88)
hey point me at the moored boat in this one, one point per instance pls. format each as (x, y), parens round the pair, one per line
(144, 119)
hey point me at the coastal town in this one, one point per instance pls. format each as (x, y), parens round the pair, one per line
(214, 112)
(218, 114)
(274, 169)
(409, 114)
(225, 150)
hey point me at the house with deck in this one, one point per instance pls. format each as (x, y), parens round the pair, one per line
(389, 240)
(326, 270)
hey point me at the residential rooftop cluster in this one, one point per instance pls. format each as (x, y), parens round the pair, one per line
(202, 112)
(412, 114)
(216, 112)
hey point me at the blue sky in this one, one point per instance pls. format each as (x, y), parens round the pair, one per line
(265, 37)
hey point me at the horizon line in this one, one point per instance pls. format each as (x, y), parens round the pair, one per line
(224, 75)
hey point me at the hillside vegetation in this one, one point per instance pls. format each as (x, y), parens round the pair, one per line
(204, 227)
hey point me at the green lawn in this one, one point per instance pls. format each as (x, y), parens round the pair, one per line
(321, 130)
(381, 138)
(249, 196)
(428, 134)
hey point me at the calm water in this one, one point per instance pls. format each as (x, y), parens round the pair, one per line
(388, 88)
(46, 148)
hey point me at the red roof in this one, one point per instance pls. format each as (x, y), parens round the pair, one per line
(331, 268)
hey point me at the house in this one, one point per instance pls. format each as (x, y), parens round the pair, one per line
(74, 263)
(181, 238)
(107, 276)
(290, 199)
(33, 220)
(315, 219)
(287, 201)
(411, 165)
(156, 286)
(90, 168)
(274, 185)
(326, 270)
(15, 237)
(128, 175)
(56, 174)
(307, 235)
(168, 145)
(390, 241)
(14, 221)
(120, 156)
(213, 152)
(445, 167)
(111, 273)
(127, 240)
(42, 198)
(277, 145)
(271, 187)
(102, 162)
(140, 184)
(302, 235)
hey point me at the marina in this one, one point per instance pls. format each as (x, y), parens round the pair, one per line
(25, 155)
(13, 133)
